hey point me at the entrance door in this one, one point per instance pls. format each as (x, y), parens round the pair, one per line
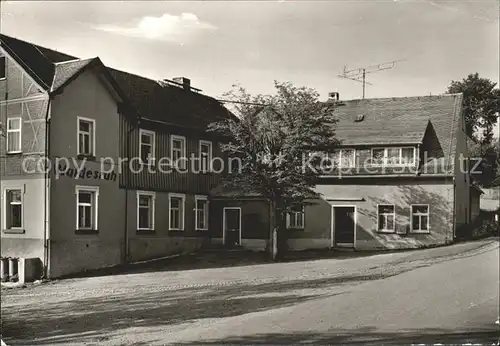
(344, 224)
(232, 226)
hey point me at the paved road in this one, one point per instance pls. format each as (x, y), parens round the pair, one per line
(447, 295)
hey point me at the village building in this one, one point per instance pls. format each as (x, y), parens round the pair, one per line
(82, 185)
(81, 188)
(399, 180)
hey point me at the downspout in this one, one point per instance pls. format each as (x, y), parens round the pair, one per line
(46, 227)
(127, 149)
(419, 161)
(454, 223)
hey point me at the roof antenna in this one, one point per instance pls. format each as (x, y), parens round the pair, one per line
(357, 73)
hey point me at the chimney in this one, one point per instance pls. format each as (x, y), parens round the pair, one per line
(333, 96)
(185, 82)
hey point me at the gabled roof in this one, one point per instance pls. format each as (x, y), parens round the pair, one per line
(403, 120)
(37, 61)
(65, 71)
(152, 100)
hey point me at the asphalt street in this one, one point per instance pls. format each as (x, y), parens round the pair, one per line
(441, 295)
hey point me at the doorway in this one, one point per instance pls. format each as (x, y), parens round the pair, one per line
(231, 226)
(343, 226)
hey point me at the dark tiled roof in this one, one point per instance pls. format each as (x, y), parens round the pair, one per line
(165, 103)
(37, 61)
(65, 70)
(399, 120)
(168, 103)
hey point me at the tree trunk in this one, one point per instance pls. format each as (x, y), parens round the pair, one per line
(277, 232)
(282, 237)
(272, 245)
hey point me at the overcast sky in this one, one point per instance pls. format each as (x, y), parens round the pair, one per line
(218, 44)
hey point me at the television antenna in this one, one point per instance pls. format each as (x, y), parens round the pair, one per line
(359, 74)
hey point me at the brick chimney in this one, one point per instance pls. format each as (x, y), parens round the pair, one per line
(185, 82)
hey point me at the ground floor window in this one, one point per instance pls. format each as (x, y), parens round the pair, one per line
(176, 211)
(87, 207)
(13, 208)
(295, 218)
(201, 213)
(145, 210)
(386, 218)
(419, 218)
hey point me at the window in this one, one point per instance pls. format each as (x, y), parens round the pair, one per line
(420, 218)
(3, 67)
(386, 218)
(145, 210)
(201, 213)
(393, 156)
(176, 211)
(344, 158)
(205, 156)
(14, 135)
(87, 207)
(178, 151)
(13, 208)
(295, 219)
(147, 146)
(86, 137)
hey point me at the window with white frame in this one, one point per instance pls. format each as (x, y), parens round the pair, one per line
(14, 128)
(205, 156)
(13, 208)
(87, 198)
(3, 66)
(344, 158)
(147, 146)
(178, 151)
(295, 218)
(386, 218)
(176, 211)
(86, 137)
(201, 213)
(145, 210)
(393, 156)
(420, 218)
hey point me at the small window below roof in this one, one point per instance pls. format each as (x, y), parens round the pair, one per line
(359, 117)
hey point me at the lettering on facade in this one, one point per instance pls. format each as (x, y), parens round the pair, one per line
(85, 173)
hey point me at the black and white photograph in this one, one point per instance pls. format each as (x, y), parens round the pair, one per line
(286, 172)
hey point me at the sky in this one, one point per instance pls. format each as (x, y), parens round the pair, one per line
(252, 43)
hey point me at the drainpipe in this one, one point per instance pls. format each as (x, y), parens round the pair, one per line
(126, 252)
(46, 227)
(418, 160)
(454, 223)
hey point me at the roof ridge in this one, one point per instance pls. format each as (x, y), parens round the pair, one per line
(163, 86)
(75, 60)
(36, 45)
(397, 98)
(132, 74)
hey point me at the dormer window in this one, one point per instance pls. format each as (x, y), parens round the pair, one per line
(359, 118)
(393, 156)
(343, 158)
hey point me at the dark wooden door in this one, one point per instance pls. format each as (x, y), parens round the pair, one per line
(232, 226)
(344, 225)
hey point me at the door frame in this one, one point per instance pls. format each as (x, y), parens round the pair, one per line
(332, 238)
(224, 223)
